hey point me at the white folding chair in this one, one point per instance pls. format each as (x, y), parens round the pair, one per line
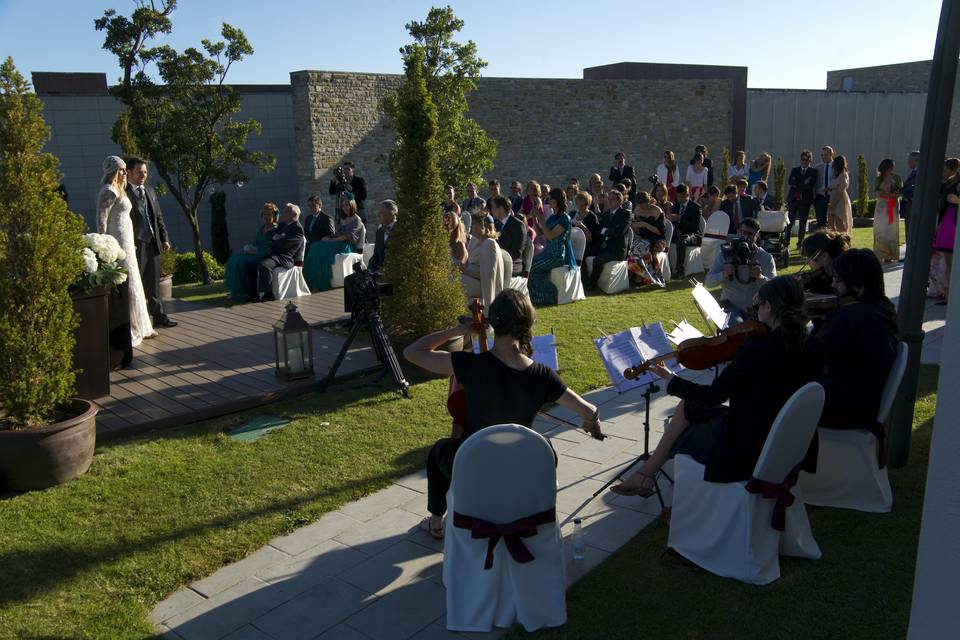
(343, 267)
(693, 258)
(717, 224)
(290, 283)
(614, 277)
(579, 241)
(664, 257)
(367, 252)
(851, 472)
(520, 284)
(567, 282)
(729, 528)
(495, 579)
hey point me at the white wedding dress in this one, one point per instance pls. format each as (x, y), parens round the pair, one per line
(113, 217)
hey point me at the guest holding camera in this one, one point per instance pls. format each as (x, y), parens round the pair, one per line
(741, 267)
(345, 180)
(252, 253)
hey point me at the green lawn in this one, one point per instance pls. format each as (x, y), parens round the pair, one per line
(214, 294)
(91, 558)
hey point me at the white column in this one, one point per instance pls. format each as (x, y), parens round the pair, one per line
(935, 613)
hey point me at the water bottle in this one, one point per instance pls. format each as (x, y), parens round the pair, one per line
(578, 544)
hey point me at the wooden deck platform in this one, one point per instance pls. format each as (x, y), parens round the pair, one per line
(217, 361)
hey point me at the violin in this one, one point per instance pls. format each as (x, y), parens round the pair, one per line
(706, 352)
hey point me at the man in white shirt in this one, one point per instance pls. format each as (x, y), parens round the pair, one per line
(741, 282)
(822, 197)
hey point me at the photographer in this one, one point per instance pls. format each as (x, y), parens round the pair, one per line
(741, 266)
(345, 179)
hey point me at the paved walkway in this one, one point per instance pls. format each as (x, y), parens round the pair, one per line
(216, 361)
(934, 315)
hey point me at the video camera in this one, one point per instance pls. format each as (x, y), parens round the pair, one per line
(739, 252)
(340, 179)
(654, 179)
(362, 291)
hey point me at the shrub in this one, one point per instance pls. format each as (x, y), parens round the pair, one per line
(41, 255)
(863, 190)
(779, 178)
(427, 292)
(168, 262)
(219, 240)
(725, 167)
(186, 270)
(864, 212)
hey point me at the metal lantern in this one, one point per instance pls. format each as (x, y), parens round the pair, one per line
(293, 345)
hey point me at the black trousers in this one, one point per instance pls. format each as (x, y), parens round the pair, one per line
(265, 275)
(601, 259)
(148, 259)
(681, 242)
(439, 473)
(801, 212)
(820, 206)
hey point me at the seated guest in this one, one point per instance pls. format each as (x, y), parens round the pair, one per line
(860, 341)
(284, 245)
(614, 230)
(649, 239)
(458, 238)
(545, 202)
(387, 215)
(516, 196)
(558, 252)
(686, 220)
(513, 233)
(587, 221)
(741, 184)
(659, 196)
(710, 201)
(503, 386)
(766, 371)
(736, 205)
(532, 210)
(571, 195)
(482, 276)
(739, 168)
(473, 201)
(251, 254)
(318, 225)
(742, 281)
(493, 186)
(598, 193)
(820, 249)
(318, 265)
(762, 200)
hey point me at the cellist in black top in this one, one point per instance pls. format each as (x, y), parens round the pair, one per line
(758, 382)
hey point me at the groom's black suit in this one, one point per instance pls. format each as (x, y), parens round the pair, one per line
(150, 233)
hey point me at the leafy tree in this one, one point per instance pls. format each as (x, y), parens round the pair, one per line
(427, 292)
(40, 257)
(219, 237)
(451, 70)
(185, 125)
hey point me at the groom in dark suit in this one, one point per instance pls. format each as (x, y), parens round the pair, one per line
(803, 185)
(151, 237)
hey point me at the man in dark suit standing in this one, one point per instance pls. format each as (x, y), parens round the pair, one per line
(738, 206)
(513, 236)
(614, 227)
(909, 188)
(686, 217)
(622, 170)
(387, 214)
(803, 183)
(355, 185)
(283, 250)
(821, 199)
(318, 225)
(151, 236)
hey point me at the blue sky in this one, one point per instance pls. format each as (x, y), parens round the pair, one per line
(784, 44)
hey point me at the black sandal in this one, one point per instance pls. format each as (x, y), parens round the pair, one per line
(435, 533)
(644, 491)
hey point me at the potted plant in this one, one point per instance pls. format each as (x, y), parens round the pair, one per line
(168, 264)
(46, 436)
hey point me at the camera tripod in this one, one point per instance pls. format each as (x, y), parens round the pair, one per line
(643, 457)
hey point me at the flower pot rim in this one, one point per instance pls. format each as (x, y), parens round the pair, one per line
(86, 408)
(96, 292)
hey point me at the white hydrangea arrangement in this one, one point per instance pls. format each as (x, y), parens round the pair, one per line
(102, 262)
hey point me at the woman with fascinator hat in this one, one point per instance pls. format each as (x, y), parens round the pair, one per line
(113, 217)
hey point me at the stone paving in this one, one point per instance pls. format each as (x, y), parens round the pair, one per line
(367, 571)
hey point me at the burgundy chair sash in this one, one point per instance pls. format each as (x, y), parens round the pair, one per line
(880, 431)
(779, 491)
(511, 532)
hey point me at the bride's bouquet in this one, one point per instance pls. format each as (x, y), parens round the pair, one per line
(102, 263)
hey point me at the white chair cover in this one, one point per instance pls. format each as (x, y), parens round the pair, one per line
(664, 257)
(693, 262)
(532, 593)
(567, 282)
(507, 268)
(615, 276)
(579, 240)
(773, 221)
(520, 284)
(717, 224)
(290, 283)
(848, 473)
(367, 252)
(343, 267)
(727, 529)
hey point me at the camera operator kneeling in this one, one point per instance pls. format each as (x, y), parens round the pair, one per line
(741, 266)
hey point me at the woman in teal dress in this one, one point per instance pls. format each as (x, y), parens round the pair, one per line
(558, 252)
(318, 264)
(253, 252)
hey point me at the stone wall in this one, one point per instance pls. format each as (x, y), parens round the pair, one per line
(548, 130)
(908, 76)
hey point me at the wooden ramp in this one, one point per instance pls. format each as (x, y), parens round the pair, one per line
(217, 361)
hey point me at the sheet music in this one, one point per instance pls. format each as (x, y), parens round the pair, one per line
(545, 351)
(709, 306)
(684, 331)
(619, 352)
(651, 341)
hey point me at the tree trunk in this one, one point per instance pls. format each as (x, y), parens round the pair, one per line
(198, 246)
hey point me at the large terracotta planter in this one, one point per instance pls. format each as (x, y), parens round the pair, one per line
(91, 352)
(57, 453)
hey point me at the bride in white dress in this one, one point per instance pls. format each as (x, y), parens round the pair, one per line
(113, 217)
